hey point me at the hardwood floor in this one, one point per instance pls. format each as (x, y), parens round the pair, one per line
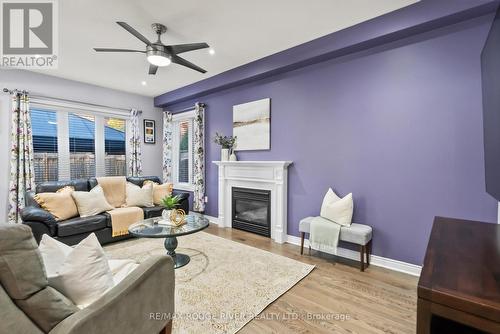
(335, 297)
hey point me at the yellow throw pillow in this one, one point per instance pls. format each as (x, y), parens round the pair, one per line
(160, 191)
(60, 204)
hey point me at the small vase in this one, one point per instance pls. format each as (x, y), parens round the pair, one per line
(233, 157)
(224, 154)
(165, 214)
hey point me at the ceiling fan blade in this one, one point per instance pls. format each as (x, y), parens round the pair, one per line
(134, 32)
(152, 69)
(180, 48)
(117, 50)
(184, 62)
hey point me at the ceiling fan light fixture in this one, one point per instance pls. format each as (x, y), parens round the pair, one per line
(159, 54)
(159, 60)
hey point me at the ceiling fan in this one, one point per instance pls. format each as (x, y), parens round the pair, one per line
(159, 54)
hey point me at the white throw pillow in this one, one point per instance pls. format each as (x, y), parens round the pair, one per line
(54, 254)
(84, 275)
(137, 196)
(90, 203)
(336, 209)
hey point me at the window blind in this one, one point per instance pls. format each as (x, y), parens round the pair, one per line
(72, 145)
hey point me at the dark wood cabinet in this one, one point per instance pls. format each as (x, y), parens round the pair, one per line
(459, 285)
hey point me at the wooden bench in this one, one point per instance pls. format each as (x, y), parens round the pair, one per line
(358, 234)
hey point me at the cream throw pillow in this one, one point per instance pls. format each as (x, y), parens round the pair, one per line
(60, 204)
(160, 191)
(91, 202)
(336, 209)
(82, 274)
(137, 196)
(54, 254)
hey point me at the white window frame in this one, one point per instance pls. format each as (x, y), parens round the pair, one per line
(62, 110)
(176, 120)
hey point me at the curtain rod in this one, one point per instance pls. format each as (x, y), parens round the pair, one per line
(6, 90)
(185, 109)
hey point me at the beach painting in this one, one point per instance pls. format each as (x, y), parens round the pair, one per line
(252, 125)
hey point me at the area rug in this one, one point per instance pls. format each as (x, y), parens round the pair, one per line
(225, 285)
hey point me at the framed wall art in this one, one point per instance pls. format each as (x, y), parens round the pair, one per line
(149, 131)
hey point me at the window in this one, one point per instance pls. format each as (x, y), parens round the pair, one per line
(114, 143)
(72, 145)
(44, 130)
(183, 151)
(81, 146)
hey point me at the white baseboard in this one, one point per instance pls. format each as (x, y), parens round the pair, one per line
(379, 261)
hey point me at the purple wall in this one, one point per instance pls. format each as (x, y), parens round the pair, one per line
(399, 126)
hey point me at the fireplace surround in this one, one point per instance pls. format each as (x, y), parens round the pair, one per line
(271, 176)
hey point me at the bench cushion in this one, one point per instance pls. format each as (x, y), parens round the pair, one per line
(356, 233)
(81, 225)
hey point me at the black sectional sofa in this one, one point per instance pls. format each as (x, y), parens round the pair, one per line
(74, 230)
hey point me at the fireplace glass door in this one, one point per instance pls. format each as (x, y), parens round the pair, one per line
(251, 210)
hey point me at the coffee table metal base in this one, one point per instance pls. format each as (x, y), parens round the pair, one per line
(180, 260)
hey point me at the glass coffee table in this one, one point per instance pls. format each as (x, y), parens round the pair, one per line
(154, 228)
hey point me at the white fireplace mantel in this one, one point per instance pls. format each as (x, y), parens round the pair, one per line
(266, 175)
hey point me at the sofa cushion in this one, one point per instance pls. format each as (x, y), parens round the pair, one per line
(53, 186)
(21, 265)
(154, 211)
(81, 225)
(356, 233)
(23, 277)
(47, 307)
(13, 319)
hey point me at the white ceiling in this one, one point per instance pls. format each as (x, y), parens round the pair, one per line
(239, 31)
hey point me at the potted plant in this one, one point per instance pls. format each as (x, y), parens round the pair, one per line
(226, 143)
(170, 203)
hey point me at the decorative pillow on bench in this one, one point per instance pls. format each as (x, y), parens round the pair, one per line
(60, 204)
(336, 209)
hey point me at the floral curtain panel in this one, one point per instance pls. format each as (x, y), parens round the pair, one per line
(22, 176)
(199, 158)
(168, 129)
(135, 162)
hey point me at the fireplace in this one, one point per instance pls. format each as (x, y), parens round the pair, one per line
(252, 210)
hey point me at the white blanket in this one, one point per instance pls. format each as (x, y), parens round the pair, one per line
(324, 235)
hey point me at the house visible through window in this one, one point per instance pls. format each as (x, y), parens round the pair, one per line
(81, 146)
(114, 142)
(73, 145)
(44, 131)
(183, 150)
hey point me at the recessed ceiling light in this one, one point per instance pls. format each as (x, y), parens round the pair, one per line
(211, 51)
(144, 83)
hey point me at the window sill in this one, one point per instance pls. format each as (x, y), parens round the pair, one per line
(183, 186)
